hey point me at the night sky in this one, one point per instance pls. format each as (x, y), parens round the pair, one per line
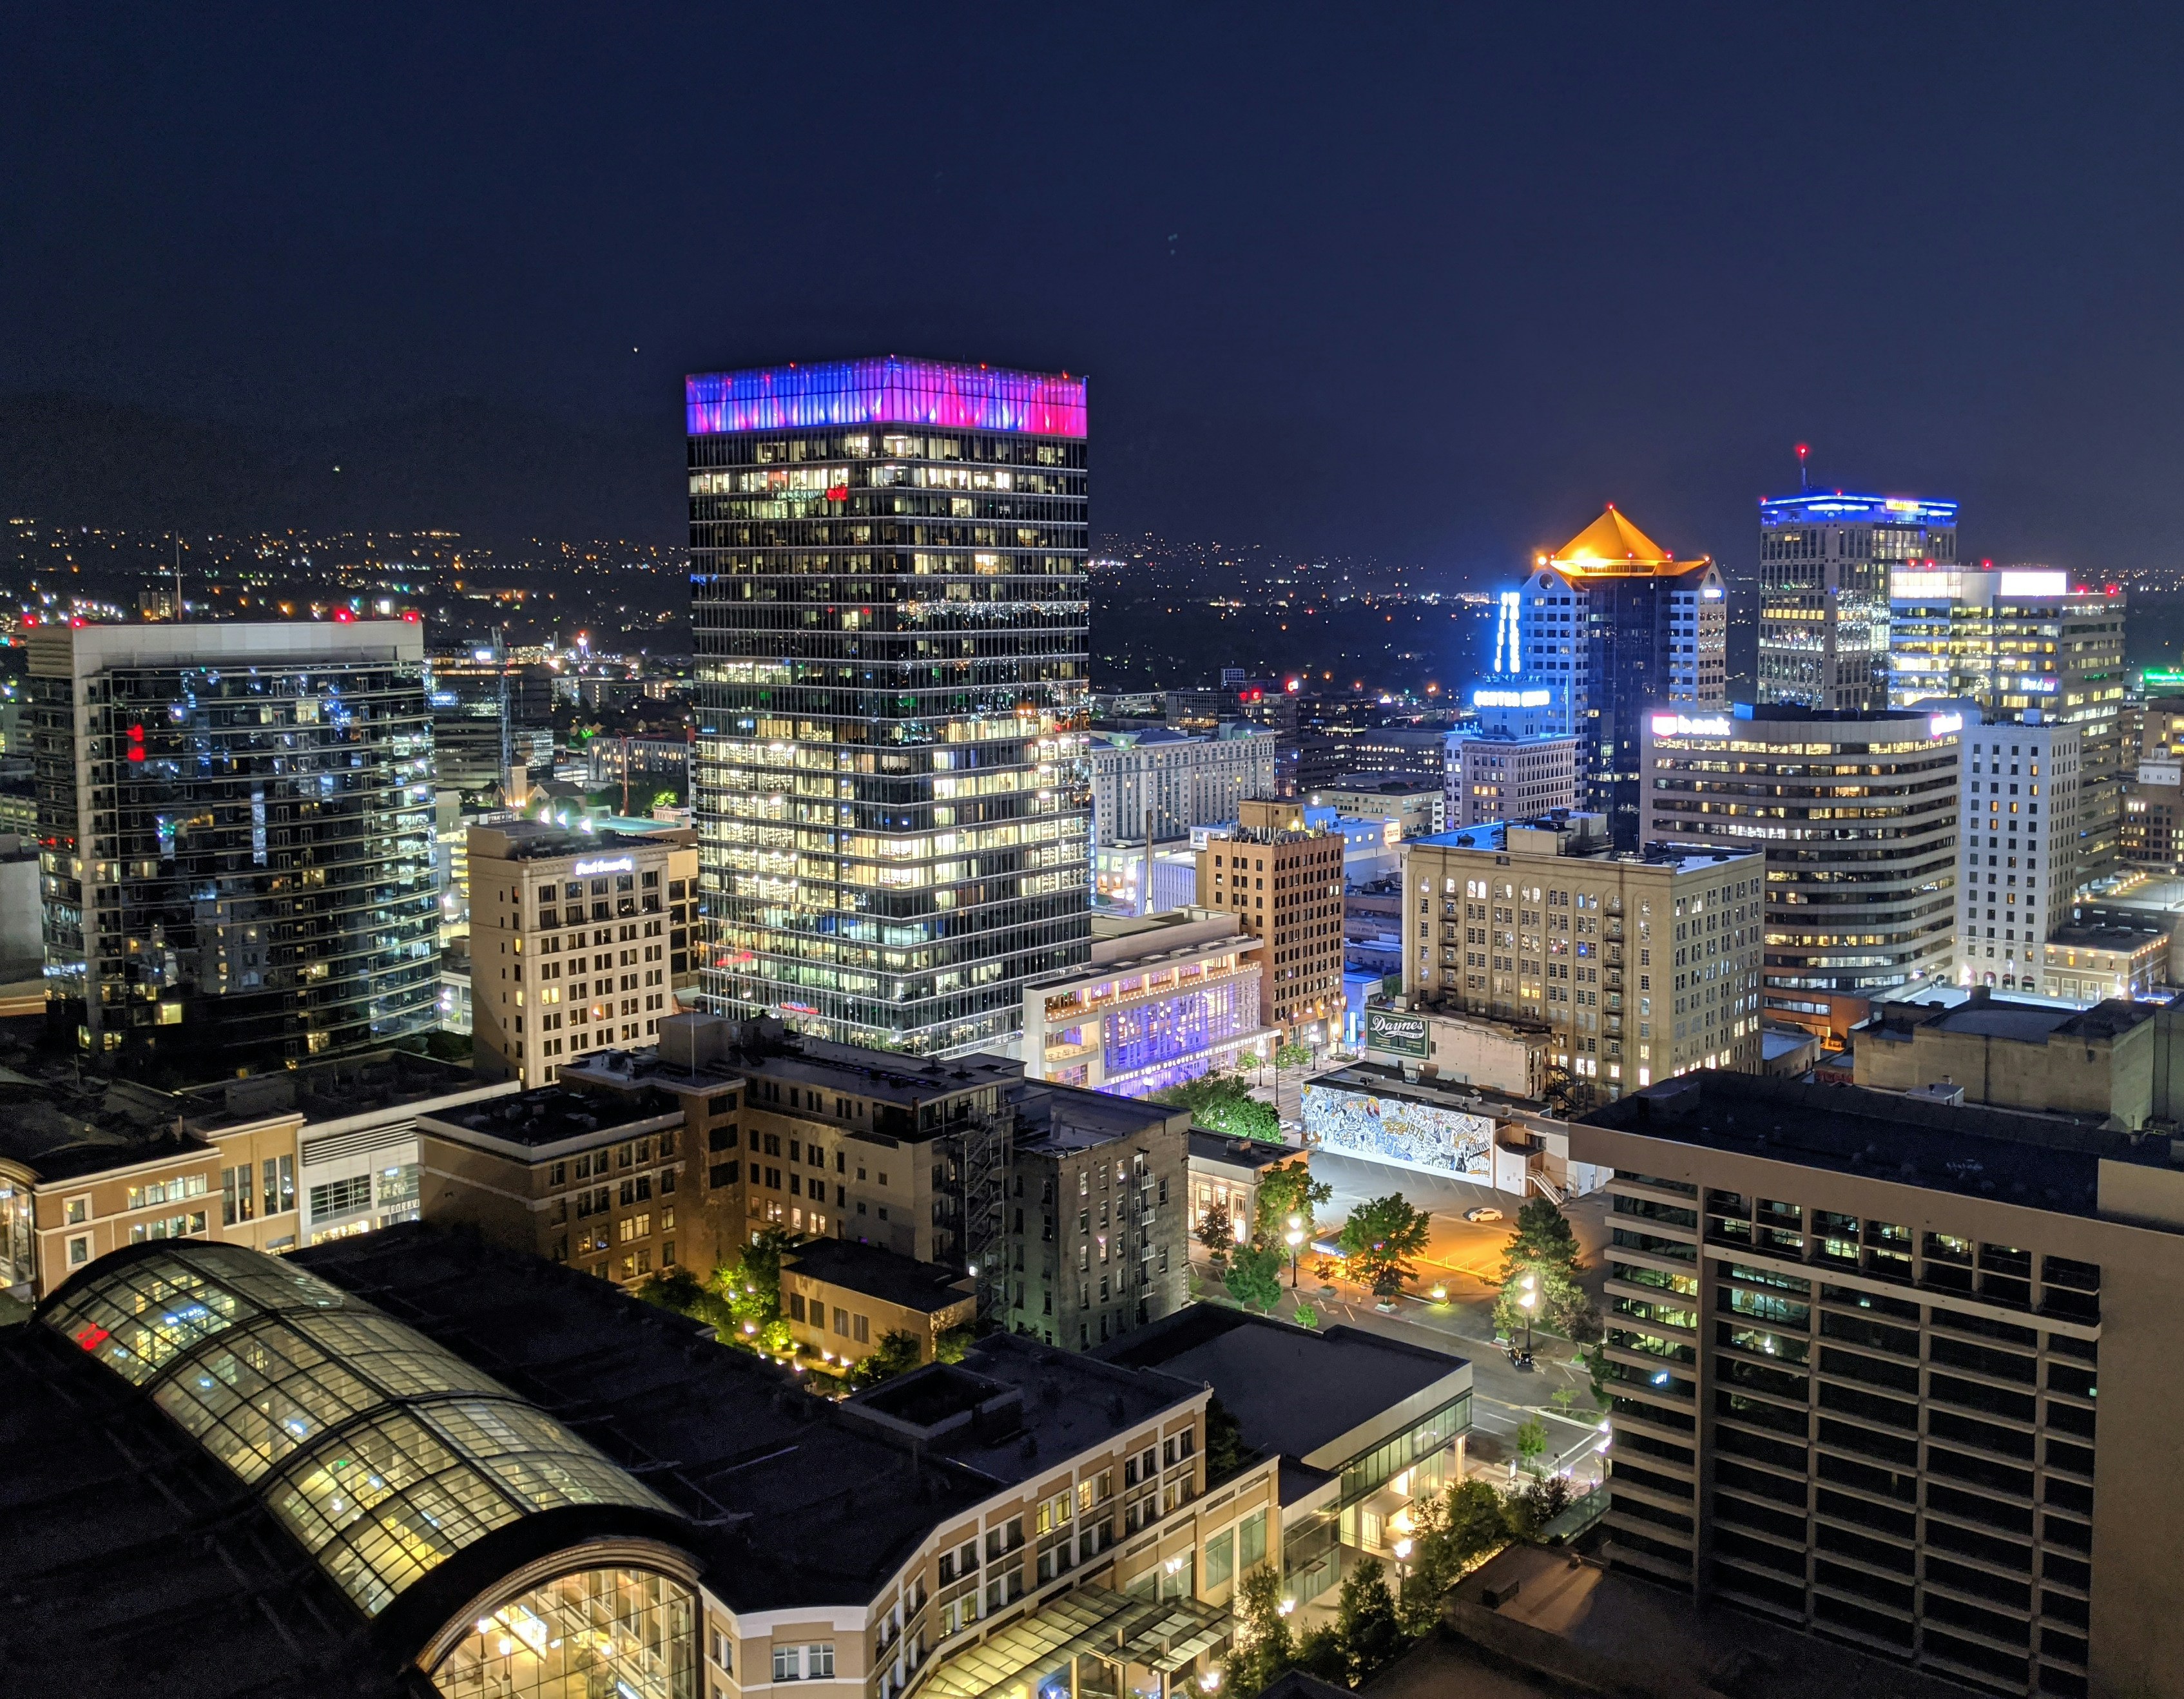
(1429, 283)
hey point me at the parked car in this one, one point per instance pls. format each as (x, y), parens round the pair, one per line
(1484, 1212)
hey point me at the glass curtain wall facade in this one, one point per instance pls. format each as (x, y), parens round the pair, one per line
(890, 611)
(237, 857)
(1824, 561)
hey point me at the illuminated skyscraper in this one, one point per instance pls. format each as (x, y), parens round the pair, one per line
(1825, 558)
(1609, 625)
(2019, 641)
(889, 608)
(235, 826)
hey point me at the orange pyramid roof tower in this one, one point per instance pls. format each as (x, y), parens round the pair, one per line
(1612, 547)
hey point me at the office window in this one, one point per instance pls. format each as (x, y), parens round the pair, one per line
(279, 1176)
(1251, 1540)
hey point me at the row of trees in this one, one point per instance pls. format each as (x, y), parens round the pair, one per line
(1452, 1534)
(1222, 1103)
(741, 1303)
(1251, 1267)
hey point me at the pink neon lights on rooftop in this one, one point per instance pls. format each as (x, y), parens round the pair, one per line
(885, 392)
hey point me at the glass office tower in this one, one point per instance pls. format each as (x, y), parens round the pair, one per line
(235, 827)
(1824, 560)
(889, 607)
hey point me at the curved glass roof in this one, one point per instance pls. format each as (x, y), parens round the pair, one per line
(383, 1453)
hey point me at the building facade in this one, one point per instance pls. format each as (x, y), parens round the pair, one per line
(1643, 966)
(2019, 641)
(1857, 815)
(1097, 1236)
(2086, 962)
(1610, 625)
(578, 941)
(1825, 558)
(889, 610)
(1506, 776)
(1163, 1000)
(1282, 880)
(2015, 885)
(1176, 779)
(1854, 1346)
(236, 823)
(1419, 807)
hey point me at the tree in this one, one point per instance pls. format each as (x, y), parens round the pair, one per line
(1306, 1316)
(680, 1290)
(1320, 1652)
(1218, 1234)
(1263, 1648)
(898, 1354)
(1225, 1453)
(1372, 1638)
(1285, 1190)
(1381, 1239)
(1544, 1248)
(753, 1286)
(1222, 1103)
(1255, 1276)
(666, 799)
(953, 1344)
(1452, 1536)
(1532, 1444)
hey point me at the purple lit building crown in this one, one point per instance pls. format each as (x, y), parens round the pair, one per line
(885, 392)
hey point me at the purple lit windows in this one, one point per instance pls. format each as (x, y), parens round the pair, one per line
(885, 392)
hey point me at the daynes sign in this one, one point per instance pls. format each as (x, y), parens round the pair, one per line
(1403, 1034)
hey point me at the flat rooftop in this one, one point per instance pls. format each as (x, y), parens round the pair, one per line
(1255, 1154)
(877, 1273)
(2041, 1161)
(2122, 938)
(887, 1076)
(331, 1091)
(1293, 1390)
(1998, 1017)
(551, 1115)
(1054, 1119)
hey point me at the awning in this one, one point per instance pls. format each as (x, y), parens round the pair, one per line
(1160, 1634)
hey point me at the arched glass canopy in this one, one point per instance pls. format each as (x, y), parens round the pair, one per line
(383, 1453)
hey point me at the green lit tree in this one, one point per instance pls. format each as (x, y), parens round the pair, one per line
(1372, 1638)
(1254, 1276)
(1218, 1234)
(1532, 1444)
(1263, 1648)
(1545, 1250)
(1452, 1534)
(1381, 1239)
(1222, 1103)
(1285, 1190)
(898, 1354)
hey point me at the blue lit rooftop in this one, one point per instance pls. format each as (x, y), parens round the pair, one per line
(1826, 507)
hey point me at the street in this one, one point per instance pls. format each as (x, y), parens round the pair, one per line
(1463, 1257)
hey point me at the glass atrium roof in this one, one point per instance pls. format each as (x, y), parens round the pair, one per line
(383, 1453)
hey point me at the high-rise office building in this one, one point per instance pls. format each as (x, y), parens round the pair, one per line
(889, 608)
(1176, 779)
(1608, 626)
(1824, 560)
(1853, 1345)
(1643, 965)
(2018, 640)
(1495, 776)
(235, 831)
(2017, 880)
(1857, 814)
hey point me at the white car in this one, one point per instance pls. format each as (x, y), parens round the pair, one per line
(1484, 1212)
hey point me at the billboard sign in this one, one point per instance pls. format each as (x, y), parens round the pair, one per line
(1402, 1035)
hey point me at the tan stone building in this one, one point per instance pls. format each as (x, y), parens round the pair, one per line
(578, 942)
(1285, 882)
(843, 1299)
(2104, 959)
(1644, 965)
(1854, 1343)
(2094, 1062)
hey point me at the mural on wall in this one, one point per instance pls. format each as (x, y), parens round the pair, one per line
(1357, 1123)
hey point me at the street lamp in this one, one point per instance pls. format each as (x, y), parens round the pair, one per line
(1296, 1238)
(1527, 1300)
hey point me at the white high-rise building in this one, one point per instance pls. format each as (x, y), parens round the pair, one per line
(2019, 778)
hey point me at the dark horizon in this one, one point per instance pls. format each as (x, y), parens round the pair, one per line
(1427, 289)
